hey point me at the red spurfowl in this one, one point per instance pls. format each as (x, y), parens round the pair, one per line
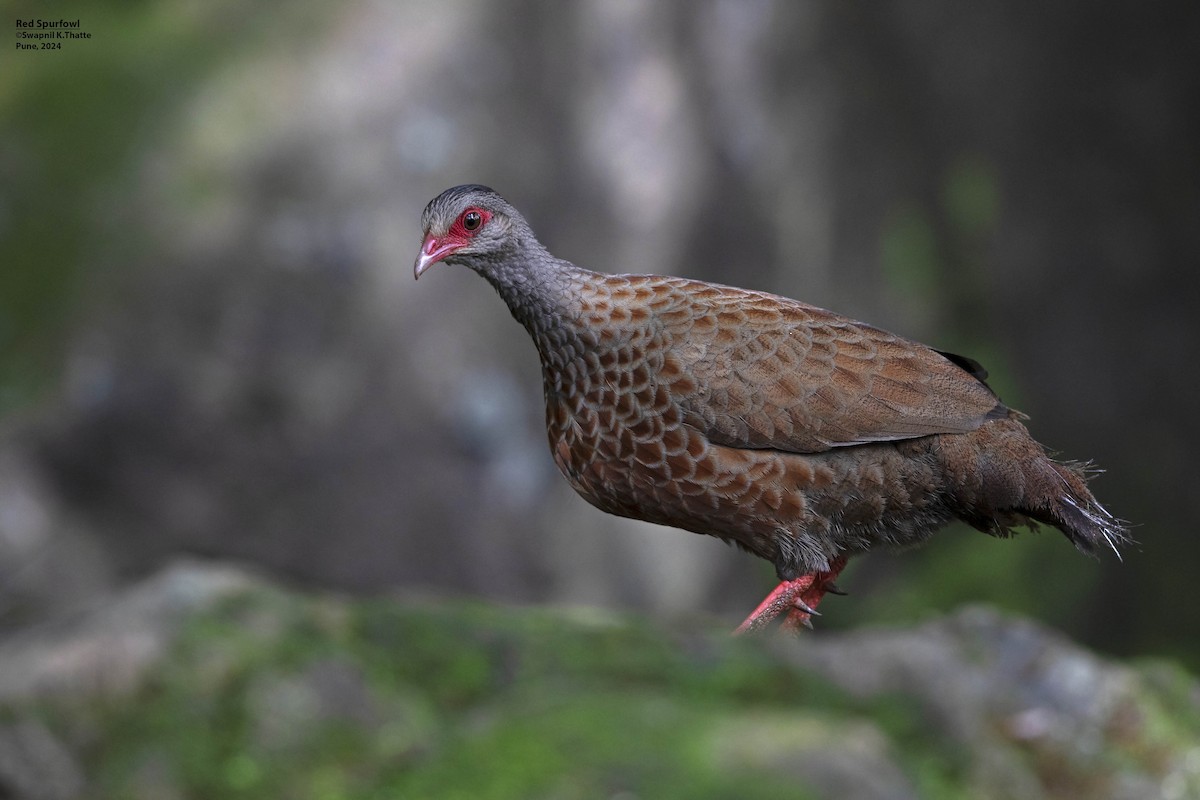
(795, 433)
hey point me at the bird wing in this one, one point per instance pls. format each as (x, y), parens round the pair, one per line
(756, 370)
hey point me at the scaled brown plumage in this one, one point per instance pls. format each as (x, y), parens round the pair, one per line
(800, 435)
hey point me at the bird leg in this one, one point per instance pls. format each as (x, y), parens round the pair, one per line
(798, 598)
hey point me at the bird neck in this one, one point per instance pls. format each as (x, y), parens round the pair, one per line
(541, 291)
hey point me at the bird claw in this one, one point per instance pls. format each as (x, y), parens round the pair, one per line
(795, 620)
(795, 600)
(806, 608)
(833, 588)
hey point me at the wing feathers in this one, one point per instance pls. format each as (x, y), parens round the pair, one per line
(762, 371)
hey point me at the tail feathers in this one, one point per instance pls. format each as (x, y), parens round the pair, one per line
(1078, 514)
(1005, 479)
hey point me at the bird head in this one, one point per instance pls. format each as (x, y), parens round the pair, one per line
(466, 224)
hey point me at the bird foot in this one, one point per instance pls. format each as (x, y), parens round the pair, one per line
(797, 598)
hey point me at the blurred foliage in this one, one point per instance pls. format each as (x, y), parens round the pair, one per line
(1037, 575)
(971, 198)
(78, 124)
(909, 254)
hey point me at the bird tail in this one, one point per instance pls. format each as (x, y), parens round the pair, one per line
(1021, 484)
(1074, 510)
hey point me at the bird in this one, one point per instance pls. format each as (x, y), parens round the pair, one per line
(797, 434)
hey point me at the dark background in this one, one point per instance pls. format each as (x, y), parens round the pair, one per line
(211, 343)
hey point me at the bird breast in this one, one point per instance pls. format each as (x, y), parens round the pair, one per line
(614, 425)
(618, 430)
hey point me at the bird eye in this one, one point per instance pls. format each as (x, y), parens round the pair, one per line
(472, 220)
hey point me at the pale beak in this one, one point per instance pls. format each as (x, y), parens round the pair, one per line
(434, 250)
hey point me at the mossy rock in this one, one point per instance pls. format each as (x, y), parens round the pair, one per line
(208, 682)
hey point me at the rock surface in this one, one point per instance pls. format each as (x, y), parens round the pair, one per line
(206, 681)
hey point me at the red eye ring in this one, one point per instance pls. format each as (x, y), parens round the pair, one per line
(469, 222)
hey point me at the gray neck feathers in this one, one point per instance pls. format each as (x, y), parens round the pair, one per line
(538, 288)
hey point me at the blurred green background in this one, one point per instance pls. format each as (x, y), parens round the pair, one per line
(211, 343)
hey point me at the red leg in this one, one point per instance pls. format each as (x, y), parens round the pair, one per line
(797, 598)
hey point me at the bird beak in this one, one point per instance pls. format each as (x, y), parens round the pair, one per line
(434, 250)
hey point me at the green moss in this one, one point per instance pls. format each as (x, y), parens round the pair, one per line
(271, 694)
(600, 743)
(476, 701)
